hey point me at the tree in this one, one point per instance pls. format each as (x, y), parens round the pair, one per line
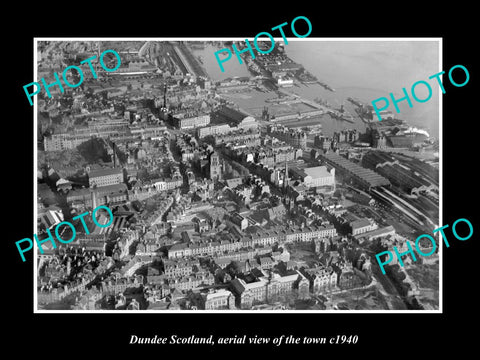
(142, 174)
(93, 151)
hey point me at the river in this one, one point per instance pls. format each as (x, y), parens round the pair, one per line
(362, 69)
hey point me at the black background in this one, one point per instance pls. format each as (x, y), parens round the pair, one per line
(109, 334)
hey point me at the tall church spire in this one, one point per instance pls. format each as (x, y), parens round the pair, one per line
(285, 177)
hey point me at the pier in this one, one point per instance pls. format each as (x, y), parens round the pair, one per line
(313, 104)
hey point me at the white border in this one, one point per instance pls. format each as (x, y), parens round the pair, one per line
(35, 109)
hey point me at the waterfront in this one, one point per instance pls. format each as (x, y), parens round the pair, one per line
(365, 70)
(232, 67)
(370, 69)
(202, 223)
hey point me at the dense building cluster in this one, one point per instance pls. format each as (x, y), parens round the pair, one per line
(213, 210)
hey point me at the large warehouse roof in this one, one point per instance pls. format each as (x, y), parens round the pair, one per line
(365, 175)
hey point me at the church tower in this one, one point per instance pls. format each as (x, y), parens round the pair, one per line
(285, 178)
(215, 167)
(286, 199)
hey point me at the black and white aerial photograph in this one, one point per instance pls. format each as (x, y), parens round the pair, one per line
(207, 181)
(211, 175)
